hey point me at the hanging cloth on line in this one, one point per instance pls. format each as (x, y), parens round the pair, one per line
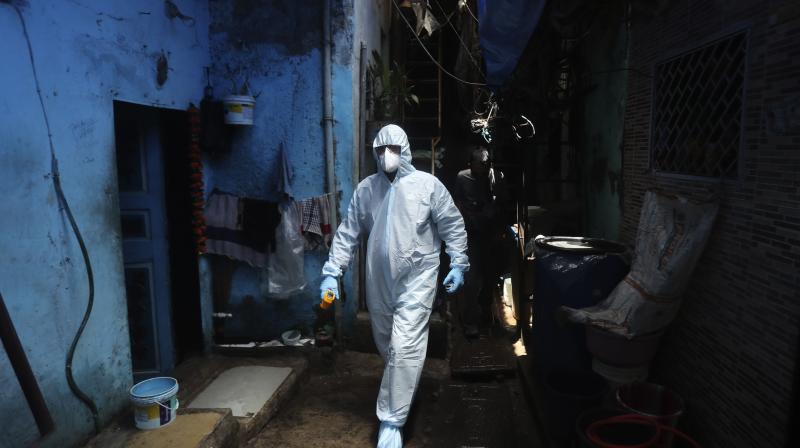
(259, 220)
(241, 228)
(315, 223)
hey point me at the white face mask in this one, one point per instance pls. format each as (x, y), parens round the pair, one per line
(389, 161)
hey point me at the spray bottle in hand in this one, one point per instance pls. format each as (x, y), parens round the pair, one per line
(327, 299)
(323, 326)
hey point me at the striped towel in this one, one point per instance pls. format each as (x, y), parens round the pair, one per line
(316, 221)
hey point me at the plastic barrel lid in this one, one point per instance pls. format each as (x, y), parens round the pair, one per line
(154, 389)
(580, 245)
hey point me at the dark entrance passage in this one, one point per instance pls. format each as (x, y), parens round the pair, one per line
(161, 276)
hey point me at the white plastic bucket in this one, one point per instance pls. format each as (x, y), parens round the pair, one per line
(291, 337)
(154, 402)
(239, 109)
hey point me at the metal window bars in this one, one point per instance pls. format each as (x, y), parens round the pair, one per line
(697, 110)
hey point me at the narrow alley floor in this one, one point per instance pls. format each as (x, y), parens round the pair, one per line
(335, 407)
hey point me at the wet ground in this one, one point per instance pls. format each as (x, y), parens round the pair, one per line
(335, 407)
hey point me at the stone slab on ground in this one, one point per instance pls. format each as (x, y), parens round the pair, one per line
(244, 389)
(195, 374)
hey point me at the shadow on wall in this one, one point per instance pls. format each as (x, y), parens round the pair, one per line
(276, 48)
(249, 314)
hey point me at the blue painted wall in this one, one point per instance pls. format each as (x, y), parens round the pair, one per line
(277, 47)
(88, 53)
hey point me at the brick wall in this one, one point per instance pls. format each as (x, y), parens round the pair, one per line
(732, 351)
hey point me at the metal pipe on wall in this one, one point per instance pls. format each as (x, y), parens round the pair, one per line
(361, 147)
(22, 369)
(362, 112)
(327, 109)
(327, 122)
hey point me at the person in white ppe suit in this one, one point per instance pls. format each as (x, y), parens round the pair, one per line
(407, 214)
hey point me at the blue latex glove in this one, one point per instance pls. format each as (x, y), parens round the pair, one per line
(454, 280)
(328, 283)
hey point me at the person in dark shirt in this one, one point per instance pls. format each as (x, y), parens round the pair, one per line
(475, 198)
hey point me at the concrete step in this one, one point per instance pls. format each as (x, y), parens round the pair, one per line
(208, 428)
(252, 423)
(362, 341)
(219, 400)
(252, 393)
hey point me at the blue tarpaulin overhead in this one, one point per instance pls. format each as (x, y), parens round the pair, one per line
(506, 27)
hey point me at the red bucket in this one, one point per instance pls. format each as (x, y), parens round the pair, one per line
(635, 431)
(655, 402)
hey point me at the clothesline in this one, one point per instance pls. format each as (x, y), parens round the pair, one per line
(244, 229)
(318, 196)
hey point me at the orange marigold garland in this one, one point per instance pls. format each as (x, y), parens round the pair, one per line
(196, 180)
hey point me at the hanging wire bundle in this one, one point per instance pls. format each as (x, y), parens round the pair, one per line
(425, 49)
(483, 125)
(485, 122)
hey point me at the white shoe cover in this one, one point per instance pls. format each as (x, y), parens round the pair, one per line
(390, 436)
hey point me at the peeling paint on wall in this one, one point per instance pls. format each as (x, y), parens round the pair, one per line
(290, 27)
(276, 47)
(87, 53)
(95, 53)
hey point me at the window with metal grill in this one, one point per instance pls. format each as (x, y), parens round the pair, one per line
(697, 110)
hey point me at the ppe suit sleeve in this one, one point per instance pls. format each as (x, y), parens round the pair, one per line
(345, 240)
(450, 225)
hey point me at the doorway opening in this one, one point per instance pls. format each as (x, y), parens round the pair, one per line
(160, 260)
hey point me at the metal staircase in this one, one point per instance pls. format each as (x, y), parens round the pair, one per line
(423, 122)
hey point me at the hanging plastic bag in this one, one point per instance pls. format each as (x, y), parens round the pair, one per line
(284, 275)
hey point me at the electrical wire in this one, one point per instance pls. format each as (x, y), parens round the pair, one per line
(525, 122)
(477, 101)
(84, 252)
(463, 44)
(466, 5)
(424, 48)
